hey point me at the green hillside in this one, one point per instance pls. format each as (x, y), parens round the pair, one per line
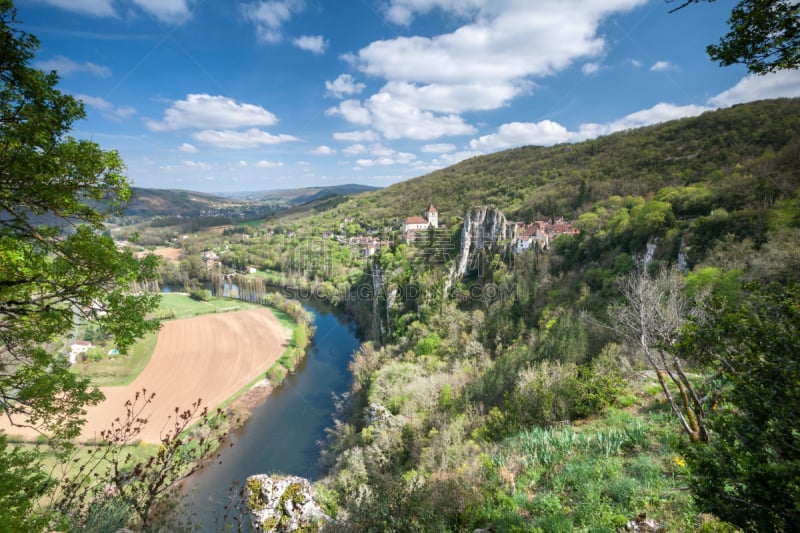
(536, 182)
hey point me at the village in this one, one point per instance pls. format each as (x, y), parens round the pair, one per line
(425, 230)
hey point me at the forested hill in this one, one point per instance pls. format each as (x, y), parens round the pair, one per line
(759, 140)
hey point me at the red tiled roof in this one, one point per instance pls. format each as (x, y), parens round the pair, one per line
(415, 220)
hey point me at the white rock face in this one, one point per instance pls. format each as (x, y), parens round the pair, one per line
(485, 227)
(282, 504)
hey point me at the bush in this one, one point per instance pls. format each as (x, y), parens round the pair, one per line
(201, 295)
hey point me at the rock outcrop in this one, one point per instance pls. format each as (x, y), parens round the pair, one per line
(283, 504)
(485, 228)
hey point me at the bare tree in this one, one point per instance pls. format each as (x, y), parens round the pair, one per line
(651, 319)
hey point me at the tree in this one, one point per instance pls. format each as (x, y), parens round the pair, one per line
(748, 473)
(56, 266)
(651, 319)
(764, 35)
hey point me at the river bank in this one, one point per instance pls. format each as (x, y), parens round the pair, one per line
(283, 433)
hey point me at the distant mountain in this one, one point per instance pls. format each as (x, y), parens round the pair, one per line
(294, 197)
(175, 202)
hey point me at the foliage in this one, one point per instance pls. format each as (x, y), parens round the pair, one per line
(108, 486)
(201, 295)
(22, 481)
(754, 452)
(764, 35)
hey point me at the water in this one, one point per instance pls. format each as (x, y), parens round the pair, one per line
(282, 434)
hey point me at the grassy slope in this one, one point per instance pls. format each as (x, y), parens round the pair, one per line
(532, 182)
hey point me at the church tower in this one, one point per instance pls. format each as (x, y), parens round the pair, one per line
(432, 216)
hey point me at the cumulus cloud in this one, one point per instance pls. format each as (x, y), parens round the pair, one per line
(547, 132)
(495, 55)
(397, 119)
(400, 116)
(312, 43)
(188, 148)
(355, 149)
(66, 67)
(352, 111)
(205, 111)
(233, 139)
(783, 84)
(344, 85)
(107, 110)
(324, 150)
(269, 17)
(660, 66)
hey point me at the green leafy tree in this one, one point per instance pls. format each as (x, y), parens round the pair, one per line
(56, 266)
(748, 473)
(764, 35)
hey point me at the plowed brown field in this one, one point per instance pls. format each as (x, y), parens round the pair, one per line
(209, 357)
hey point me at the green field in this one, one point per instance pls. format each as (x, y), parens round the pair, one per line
(178, 305)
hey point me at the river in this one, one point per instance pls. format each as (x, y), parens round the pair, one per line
(283, 432)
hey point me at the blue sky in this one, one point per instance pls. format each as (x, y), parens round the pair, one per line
(234, 95)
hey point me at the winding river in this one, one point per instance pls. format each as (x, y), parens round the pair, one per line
(283, 432)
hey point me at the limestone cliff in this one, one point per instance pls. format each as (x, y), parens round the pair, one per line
(485, 229)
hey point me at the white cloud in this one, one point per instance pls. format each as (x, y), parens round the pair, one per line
(438, 148)
(188, 148)
(661, 66)
(108, 110)
(454, 98)
(205, 111)
(66, 67)
(188, 165)
(344, 85)
(445, 160)
(355, 149)
(385, 156)
(313, 43)
(402, 11)
(547, 132)
(252, 138)
(170, 11)
(269, 17)
(242, 163)
(352, 111)
(324, 150)
(492, 58)
(356, 136)
(397, 119)
(783, 84)
(97, 8)
(590, 68)
(505, 40)
(269, 164)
